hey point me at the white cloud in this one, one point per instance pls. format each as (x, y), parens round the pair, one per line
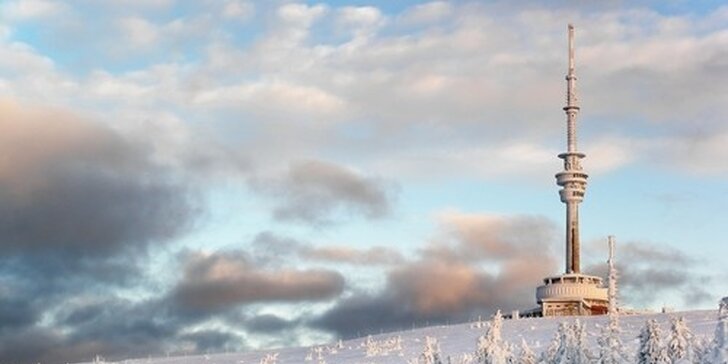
(495, 93)
(139, 32)
(301, 14)
(358, 16)
(240, 10)
(148, 4)
(610, 153)
(27, 9)
(275, 99)
(700, 153)
(504, 160)
(106, 85)
(427, 13)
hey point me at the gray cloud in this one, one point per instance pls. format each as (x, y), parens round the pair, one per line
(82, 207)
(345, 254)
(78, 187)
(269, 324)
(213, 341)
(318, 192)
(115, 328)
(224, 280)
(449, 283)
(648, 272)
(272, 249)
(269, 248)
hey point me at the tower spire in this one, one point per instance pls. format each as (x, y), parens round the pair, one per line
(572, 179)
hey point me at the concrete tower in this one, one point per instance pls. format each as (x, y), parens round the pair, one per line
(572, 179)
(571, 293)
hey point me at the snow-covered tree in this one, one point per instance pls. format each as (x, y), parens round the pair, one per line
(720, 342)
(679, 346)
(548, 355)
(702, 349)
(491, 348)
(269, 359)
(431, 354)
(370, 346)
(569, 345)
(558, 352)
(525, 354)
(461, 359)
(581, 346)
(651, 350)
(611, 349)
(510, 354)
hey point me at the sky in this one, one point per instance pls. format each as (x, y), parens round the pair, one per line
(182, 177)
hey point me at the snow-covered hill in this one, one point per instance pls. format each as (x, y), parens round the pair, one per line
(454, 341)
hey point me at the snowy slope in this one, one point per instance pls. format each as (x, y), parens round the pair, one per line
(454, 340)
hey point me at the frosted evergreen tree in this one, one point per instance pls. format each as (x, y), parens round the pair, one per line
(569, 346)
(461, 359)
(559, 350)
(611, 349)
(548, 355)
(510, 354)
(431, 354)
(491, 348)
(651, 350)
(679, 347)
(720, 342)
(269, 359)
(526, 355)
(580, 346)
(702, 349)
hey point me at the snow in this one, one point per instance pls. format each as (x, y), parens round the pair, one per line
(460, 341)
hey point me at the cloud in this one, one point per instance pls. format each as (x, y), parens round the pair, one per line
(112, 327)
(472, 269)
(649, 272)
(698, 152)
(300, 14)
(239, 10)
(205, 341)
(277, 99)
(493, 237)
(269, 324)
(273, 250)
(362, 20)
(83, 206)
(318, 192)
(139, 32)
(74, 186)
(215, 282)
(430, 12)
(345, 254)
(29, 9)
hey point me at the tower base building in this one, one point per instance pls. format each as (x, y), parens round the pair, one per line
(572, 295)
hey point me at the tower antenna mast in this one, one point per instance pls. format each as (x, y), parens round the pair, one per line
(612, 279)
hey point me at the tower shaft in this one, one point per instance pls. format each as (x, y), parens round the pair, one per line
(572, 179)
(573, 263)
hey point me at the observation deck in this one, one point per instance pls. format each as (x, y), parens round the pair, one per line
(572, 294)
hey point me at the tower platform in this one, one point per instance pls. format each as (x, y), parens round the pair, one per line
(571, 294)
